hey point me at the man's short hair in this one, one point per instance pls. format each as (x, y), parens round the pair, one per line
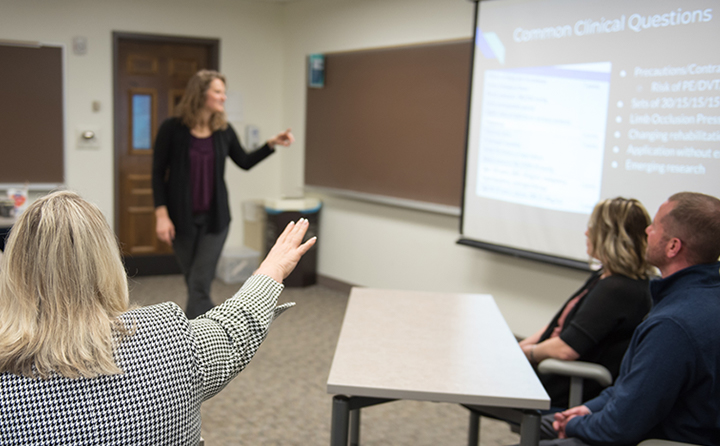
(695, 220)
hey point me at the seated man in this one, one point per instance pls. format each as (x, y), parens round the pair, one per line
(668, 383)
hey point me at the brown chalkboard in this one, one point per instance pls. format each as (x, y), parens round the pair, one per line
(391, 122)
(31, 114)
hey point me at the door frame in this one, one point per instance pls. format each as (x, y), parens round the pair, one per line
(152, 264)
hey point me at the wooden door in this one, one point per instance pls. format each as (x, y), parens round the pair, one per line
(151, 73)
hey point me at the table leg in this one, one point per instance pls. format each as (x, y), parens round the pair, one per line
(530, 429)
(340, 421)
(474, 429)
(355, 427)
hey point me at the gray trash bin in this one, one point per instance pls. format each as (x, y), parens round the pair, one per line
(279, 214)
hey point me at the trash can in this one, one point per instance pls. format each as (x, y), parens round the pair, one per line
(279, 214)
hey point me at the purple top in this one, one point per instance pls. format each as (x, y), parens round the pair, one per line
(202, 173)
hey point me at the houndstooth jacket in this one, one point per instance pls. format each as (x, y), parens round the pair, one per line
(171, 365)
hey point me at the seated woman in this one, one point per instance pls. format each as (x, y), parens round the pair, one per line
(78, 365)
(597, 322)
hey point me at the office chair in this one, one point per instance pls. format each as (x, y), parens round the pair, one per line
(578, 371)
(653, 442)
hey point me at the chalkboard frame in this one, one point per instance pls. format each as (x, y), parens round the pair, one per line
(390, 125)
(32, 115)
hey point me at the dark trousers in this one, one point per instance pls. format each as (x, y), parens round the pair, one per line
(198, 253)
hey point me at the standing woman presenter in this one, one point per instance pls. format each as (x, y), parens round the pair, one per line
(191, 198)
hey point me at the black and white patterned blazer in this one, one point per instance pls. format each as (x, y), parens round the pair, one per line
(171, 366)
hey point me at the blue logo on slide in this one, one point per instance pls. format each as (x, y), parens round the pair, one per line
(490, 45)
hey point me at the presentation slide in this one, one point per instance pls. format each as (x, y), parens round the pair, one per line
(577, 101)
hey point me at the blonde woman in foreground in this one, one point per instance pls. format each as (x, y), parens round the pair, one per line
(79, 366)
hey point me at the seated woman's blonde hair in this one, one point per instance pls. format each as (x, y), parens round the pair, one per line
(62, 288)
(617, 236)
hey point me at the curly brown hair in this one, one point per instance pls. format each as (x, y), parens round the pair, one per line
(193, 101)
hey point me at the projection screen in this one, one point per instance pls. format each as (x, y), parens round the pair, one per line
(574, 101)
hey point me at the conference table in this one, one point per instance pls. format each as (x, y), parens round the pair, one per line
(453, 348)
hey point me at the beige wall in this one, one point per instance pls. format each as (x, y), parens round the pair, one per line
(387, 247)
(263, 49)
(251, 55)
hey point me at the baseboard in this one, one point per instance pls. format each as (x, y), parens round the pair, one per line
(334, 284)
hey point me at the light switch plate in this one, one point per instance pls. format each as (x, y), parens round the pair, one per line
(252, 137)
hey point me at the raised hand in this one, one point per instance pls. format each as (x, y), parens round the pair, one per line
(287, 251)
(283, 138)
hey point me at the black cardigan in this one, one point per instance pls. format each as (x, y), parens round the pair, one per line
(171, 173)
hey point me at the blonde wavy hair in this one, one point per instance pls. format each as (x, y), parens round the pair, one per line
(62, 290)
(617, 237)
(193, 101)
